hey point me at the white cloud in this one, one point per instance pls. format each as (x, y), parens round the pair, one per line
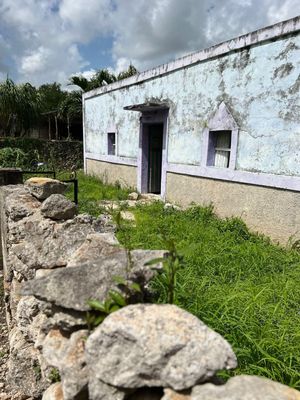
(42, 38)
(153, 32)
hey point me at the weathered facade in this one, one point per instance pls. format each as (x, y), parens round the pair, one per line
(220, 125)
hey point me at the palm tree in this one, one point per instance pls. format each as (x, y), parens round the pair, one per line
(19, 108)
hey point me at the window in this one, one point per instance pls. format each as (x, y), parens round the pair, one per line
(111, 143)
(220, 139)
(219, 149)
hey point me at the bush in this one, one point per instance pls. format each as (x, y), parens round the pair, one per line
(54, 154)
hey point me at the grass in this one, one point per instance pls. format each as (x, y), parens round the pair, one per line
(238, 283)
(92, 190)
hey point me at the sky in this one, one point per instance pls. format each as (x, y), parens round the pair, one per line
(43, 41)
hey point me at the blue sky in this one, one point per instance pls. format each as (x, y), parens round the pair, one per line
(50, 40)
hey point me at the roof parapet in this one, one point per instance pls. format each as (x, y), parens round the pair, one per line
(271, 32)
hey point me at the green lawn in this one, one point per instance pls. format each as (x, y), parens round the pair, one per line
(237, 282)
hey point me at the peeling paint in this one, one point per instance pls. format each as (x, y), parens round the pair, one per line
(259, 84)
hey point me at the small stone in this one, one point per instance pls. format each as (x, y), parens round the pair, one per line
(172, 395)
(54, 392)
(170, 206)
(127, 216)
(53, 348)
(155, 346)
(58, 207)
(133, 196)
(73, 370)
(102, 391)
(42, 188)
(245, 388)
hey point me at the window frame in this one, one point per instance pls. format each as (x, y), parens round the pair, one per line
(111, 148)
(221, 120)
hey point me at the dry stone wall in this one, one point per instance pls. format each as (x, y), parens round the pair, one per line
(54, 262)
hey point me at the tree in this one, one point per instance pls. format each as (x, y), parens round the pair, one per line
(50, 98)
(19, 108)
(70, 109)
(101, 78)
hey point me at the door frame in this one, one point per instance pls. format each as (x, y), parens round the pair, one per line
(152, 118)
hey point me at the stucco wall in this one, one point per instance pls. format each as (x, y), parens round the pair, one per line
(260, 86)
(274, 212)
(111, 173)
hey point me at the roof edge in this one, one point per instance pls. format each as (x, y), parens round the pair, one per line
(270, 32)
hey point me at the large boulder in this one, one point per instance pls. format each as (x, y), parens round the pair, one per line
(245, 388)
(71, 288)
(155, 346)
(58, 207)
(41, 188)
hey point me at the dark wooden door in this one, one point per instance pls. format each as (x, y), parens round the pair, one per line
(155, 158)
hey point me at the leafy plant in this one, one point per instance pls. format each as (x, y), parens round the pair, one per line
(171, 265)
(54, 375)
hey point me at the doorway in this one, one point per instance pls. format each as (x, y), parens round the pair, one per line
(152, 159)
(155, 148)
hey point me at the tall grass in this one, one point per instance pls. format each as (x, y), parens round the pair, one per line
(237, 282)
(91, 190)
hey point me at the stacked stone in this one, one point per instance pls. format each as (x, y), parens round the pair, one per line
(54, 262)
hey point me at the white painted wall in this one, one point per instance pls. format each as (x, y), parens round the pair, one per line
(260, 86)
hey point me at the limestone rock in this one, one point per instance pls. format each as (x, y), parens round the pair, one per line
(155, 345)
(133, 196)
(101, 391)
(58, 207)
(71, 288)
(172, 395)
(20, 204)
(64, 321)
(73, 370)
(245, 388)
(53, 348)
(96, 245)
(54, 392)
(127, 216)
(41, 188)
(24, 372)
(170, 206)
(47, 244)
(30, 317)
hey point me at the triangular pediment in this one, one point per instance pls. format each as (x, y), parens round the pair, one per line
(222, 119)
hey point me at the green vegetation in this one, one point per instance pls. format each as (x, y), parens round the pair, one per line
(26, 153)
(237, 282)
(54, 375)
(24, 107)
(92, 190)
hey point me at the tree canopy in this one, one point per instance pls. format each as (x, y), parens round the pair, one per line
(23, 106)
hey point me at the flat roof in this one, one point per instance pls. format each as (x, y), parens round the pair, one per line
(261, 35)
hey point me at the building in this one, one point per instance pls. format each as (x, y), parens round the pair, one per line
(218, 126)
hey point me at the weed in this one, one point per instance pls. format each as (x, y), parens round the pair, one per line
(54, 375)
